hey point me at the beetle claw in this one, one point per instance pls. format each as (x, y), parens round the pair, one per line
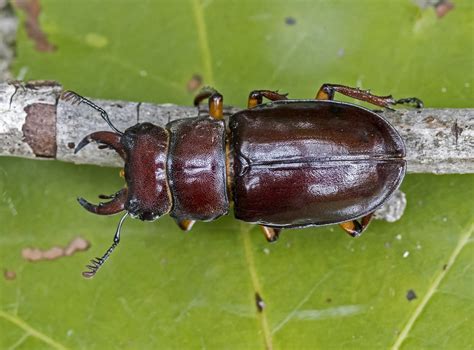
(116, 205)
(106, 139)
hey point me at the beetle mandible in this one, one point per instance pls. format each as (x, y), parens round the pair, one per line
(284, 164)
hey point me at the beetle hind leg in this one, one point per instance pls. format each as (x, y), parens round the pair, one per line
(355, 228)
(271, 233)
(327, 91)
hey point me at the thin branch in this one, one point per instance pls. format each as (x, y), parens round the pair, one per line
(35, 123)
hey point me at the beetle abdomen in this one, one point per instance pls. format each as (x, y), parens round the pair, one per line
(300, 163)
(197, 169)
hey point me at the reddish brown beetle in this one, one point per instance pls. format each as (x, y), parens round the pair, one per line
(284, 164)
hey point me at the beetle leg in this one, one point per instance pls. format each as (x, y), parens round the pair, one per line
(116, 205)
(185, 224)
(271, 233)
(256, 97)
(106, 139)
(216, 106)
(327, 91)
(354, 227)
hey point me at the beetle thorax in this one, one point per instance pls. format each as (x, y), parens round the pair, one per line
(146, 147)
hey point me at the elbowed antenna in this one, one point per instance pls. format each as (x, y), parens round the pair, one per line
(98, 262)
(74, 98)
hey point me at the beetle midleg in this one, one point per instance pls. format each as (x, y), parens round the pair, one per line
(185, 224)
(354, 227)
(216, 105)
(256, 97)
(327, 91)
(271, 233)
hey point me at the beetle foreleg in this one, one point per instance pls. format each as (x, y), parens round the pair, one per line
(356, 228)
(327, 91)
(271, 233)
(256, 97)
(184, 224)
(216, 105)
(116, 205)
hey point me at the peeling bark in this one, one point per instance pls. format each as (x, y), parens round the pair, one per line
(39, 130)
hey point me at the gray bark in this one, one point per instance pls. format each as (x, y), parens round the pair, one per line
(439, 141)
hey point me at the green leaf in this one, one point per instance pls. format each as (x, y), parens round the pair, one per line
(166, 289)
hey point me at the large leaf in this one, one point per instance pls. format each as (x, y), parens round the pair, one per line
(166, 289)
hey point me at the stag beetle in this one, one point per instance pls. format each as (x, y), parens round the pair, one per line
(283, 164)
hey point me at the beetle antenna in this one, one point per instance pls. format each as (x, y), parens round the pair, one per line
(75, 98)
(98, 262)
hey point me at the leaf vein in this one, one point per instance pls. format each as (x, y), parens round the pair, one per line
(433, 288)
(203, 41)
(30, 330)
(256, 283)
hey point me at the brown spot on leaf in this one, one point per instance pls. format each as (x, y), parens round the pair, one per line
(39, 130)
(32, 9)
(35, 254)
(443, 7)
(78, 244)
(9, 275)
(194, 83)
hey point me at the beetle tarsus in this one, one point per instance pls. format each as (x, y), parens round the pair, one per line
(414, 101)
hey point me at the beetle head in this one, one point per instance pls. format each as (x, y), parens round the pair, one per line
(143, 147)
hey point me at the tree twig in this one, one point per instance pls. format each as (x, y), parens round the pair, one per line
(35, 123)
